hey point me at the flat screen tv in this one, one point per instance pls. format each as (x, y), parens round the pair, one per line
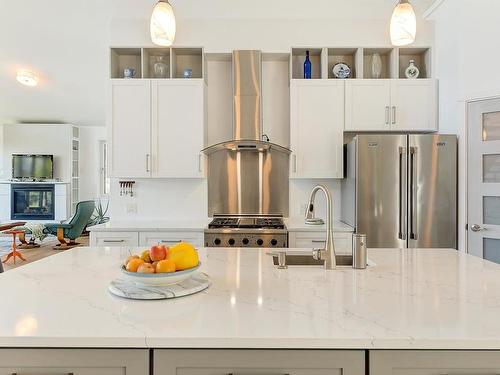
(38, 167)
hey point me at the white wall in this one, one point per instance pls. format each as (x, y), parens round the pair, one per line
(466, 61)
(89, 160)
(51, 139)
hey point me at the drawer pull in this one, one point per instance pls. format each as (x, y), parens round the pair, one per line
(318, 241)
(166, 241)
(113, 241)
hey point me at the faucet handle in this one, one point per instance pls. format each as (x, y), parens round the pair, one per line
(316, 254)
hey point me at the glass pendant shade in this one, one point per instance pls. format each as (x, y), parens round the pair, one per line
(403, 24)
(162, 24)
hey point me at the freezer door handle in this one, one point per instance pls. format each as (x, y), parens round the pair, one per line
(413, 194)
(402, 233)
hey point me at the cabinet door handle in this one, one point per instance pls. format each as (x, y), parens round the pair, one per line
(387, 115)
(318, 241)
(147, 163)
(393, 114)
(113, 241)
(199, 162)
(294, 160)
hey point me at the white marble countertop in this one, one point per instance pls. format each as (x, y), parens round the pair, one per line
(198, 225)
(411, 299)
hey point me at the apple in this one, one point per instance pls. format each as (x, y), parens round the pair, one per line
(146, 268)
(158, 253)
(129, 259)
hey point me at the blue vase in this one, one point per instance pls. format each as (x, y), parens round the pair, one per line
(307, 67)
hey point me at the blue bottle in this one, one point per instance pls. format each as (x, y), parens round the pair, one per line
(307, 67)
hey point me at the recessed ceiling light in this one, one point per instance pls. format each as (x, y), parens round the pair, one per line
(27, 77)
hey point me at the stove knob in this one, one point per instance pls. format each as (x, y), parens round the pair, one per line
(274, 242)
(245, 241)
(260, 242)
(231, 241)
(217, 241)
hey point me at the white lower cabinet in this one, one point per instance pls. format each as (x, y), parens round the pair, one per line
(170, 238)
(74, 361)
(114, 239)
(434, 362)
(259, 362)
(341, 240)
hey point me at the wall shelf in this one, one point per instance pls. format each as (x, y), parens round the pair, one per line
(122, 58)
(422, 57)
(297, 58)
(359, 59)
(143, 60)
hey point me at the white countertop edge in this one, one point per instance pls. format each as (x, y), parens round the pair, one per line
(249, 343)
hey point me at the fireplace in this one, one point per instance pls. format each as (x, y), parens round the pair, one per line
(32, 202)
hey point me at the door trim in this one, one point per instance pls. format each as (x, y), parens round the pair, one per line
(467, 102)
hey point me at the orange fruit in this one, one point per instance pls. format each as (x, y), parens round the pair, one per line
(165, 266)
(184, 255)
(129, 259)
(134, 264)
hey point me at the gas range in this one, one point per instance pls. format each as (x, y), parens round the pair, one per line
(246, 231)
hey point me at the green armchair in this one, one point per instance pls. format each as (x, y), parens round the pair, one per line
(70, 229)
(73, 228)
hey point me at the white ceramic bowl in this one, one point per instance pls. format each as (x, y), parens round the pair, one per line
(158, 279)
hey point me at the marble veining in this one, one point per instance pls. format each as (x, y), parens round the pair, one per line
(411, 299)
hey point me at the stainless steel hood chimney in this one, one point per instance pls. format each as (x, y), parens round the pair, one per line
(247, 175)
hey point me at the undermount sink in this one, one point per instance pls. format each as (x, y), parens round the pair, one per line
(306, 259)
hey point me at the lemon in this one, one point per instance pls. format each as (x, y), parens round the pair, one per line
(184, 255)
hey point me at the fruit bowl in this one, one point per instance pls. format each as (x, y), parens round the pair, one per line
(158, 279)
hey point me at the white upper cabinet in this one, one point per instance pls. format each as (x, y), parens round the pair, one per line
(130, 131)
(178, 133)
(316, 128)
(391, 105)
(157, 128)
(368, 104)
(414, 105)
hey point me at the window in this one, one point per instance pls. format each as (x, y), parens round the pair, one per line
(104, 184)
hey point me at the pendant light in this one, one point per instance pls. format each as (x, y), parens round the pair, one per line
(162, 26)
(403, 24)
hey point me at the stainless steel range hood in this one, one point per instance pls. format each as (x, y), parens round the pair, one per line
(247, 175)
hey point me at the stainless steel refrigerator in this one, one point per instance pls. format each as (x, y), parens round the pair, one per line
(401, 190)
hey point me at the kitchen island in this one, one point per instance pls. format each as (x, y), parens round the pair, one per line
(409, 300)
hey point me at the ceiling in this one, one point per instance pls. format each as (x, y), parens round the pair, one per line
(66, 43)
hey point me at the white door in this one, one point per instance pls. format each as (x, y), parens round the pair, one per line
(316, 128)
(484, 179)
(178, 130)
(414, 105)
(130, 113)
(367, 105)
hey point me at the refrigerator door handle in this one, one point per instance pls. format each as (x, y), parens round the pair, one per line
(402, 233)
(413, 194)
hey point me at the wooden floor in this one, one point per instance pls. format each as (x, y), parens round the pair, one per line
(38, 253)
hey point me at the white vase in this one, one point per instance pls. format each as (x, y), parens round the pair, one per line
(412, 71)
(376, 65)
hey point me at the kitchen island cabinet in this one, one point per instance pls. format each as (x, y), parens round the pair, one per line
(74, 361)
